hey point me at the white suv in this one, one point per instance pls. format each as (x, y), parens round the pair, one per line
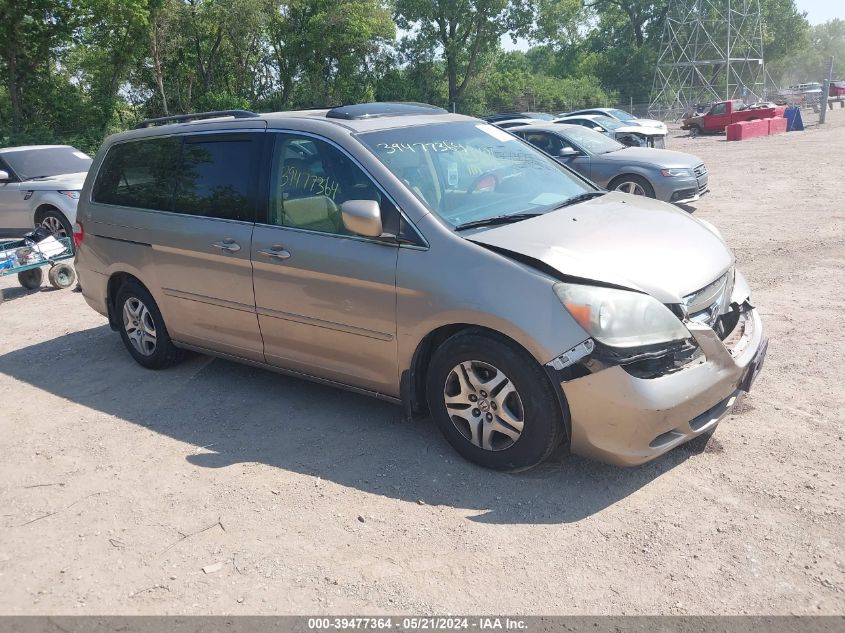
(39, 186)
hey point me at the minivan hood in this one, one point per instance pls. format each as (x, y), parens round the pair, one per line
(654, 157)
(619, 239)
(69, 182)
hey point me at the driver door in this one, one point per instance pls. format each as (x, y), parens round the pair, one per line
(718, 117)
(326, 298)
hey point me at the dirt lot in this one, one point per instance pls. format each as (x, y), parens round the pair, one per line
(119, 485)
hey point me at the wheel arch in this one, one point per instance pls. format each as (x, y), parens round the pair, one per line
(51, 201)
(412, 381)
(630, 171)
(41, 210)
(115, 283)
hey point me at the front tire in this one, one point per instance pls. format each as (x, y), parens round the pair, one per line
(142, 328)
(493, 402)
(633, 184)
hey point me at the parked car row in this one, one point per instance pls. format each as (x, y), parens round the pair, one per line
(613, 122)
(615, 150)
(431, 260)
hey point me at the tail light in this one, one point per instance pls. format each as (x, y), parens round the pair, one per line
(78, 234)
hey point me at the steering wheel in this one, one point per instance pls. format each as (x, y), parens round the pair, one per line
(487, 181)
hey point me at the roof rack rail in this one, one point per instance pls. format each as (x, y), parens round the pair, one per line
(196, 116)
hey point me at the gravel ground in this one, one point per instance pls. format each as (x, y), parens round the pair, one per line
(217, 488)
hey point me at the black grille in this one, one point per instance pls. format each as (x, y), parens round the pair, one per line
(700, 170)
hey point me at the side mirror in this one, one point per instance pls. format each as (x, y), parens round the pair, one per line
(567, 152)
(362, 217)
(4, 176)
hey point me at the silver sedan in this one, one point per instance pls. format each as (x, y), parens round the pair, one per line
(670, 176)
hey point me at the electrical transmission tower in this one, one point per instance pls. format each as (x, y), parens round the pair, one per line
(711, 50)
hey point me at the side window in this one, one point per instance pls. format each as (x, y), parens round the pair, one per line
(720, 109)
(218, 176)
(311, 178)
(5, 167)
(139, 174)
(545, 142)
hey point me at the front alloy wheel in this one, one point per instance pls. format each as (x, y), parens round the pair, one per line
(484, 405)
(631, 187)
(493, 401)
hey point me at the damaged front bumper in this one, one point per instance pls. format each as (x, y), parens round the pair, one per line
(625, 416)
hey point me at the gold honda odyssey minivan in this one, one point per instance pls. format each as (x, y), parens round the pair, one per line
(425, 258)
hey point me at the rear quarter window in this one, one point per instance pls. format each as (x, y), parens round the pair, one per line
(139, 174)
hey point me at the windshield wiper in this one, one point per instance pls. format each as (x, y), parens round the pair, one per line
(580, 198)
(496, 219)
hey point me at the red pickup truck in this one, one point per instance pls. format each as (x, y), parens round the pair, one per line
(724, 113)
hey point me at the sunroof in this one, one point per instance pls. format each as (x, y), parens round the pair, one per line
(381, 109)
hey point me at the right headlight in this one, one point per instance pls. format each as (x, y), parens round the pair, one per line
(620, 318)
(676, 173)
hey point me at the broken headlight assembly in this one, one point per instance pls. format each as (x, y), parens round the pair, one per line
(621, 319)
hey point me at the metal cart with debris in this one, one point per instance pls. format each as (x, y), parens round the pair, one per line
(28, 258)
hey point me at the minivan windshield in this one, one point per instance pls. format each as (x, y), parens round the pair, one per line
(467, 172)
(44, 162)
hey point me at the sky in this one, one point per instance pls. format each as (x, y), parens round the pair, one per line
(819, 11)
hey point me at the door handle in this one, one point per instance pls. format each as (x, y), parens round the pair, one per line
(277, 251)
(229, 245)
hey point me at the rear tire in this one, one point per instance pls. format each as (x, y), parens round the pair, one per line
(31, 279)
(142, 328)
(502, 412)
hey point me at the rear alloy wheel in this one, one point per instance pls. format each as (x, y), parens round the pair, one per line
(139, 326)
(493, 402)
(56, 223)
(142, 328)
(634, 185)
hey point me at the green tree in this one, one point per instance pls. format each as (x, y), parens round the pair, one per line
(465, 32)
(326, 49)
(31, 34)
